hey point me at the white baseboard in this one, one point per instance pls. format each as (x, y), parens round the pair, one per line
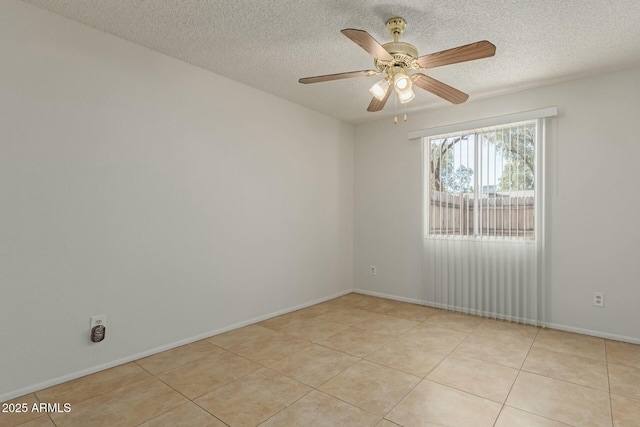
(558, 326)
(388, 296)
(598, 334)
(92, 370)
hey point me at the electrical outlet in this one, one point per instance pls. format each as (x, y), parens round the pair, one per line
(598, 299)
(100, 320)
(372, 270)
(98, 328)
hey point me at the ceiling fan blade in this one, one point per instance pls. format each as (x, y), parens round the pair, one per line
(478, 50)
(376, 105)
(368, 43)
(339, 76)
(440, 89)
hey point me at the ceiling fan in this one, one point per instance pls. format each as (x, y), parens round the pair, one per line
(397, 60)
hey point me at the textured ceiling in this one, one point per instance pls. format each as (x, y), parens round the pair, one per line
(270, 44)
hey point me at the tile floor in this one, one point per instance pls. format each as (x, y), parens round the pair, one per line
(362, 361)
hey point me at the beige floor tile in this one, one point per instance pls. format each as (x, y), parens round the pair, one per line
(334, 304)
(387, 325)
(129, 405)
(438, 339)
(252, 399)
(203, 375)
(352, 300)
(386, 423)
(330, 305)
(561, 401)
(319, 409)
(567, 367)
(417, 313)
(431, 404)
(314, 365)
(498, 349)
(187, 415)
(626, 412)
(93, 385)
(492, 327)
(311, 329)
(413, 358)
(475, 376)
(43, 421)
(622, 353)
(240, 335)
(356, 342)
(278, 322)
(176, 357)
(269, 349)
(39, 422)
(568, 342)
(14, 418)
(371, 387)
(512, 417)
(455, 321)
(347, 316)
(312, 311)
(625, 381)
(380, 305)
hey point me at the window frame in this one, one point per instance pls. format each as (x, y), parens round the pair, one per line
(477, 233)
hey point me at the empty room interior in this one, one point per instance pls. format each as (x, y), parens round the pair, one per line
(336, 213)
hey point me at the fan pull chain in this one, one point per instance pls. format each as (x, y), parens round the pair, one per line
(395, 109)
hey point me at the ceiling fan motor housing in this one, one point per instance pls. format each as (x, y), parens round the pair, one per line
(404, 54)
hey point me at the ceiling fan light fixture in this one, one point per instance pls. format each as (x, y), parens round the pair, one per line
(379, 90)
(406, 96)
(402, 82)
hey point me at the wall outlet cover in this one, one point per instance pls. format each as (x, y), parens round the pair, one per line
(598, 299)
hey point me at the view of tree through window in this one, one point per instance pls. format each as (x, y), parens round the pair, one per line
(482, 182)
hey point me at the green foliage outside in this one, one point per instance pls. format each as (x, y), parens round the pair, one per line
(515, 145)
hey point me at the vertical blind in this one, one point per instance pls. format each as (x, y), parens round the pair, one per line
(484, 240)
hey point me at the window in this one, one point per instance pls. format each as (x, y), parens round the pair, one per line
(481, 183)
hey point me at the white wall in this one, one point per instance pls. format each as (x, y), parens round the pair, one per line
(593, 195)
(177, 202)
